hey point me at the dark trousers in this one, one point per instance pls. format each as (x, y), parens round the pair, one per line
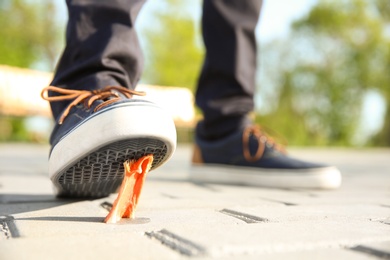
(102, 49)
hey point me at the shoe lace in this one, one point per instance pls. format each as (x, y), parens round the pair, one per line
(109, 94)
(262, 138)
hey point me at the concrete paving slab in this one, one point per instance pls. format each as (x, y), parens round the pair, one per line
(317, 254)
(178, 219)
(277, 237)
(130, 246)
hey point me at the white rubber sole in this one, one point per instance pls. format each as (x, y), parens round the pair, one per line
(88, 160)
(319, 178)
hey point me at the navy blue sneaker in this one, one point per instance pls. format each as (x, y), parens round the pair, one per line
(250, 157)
(98, 132)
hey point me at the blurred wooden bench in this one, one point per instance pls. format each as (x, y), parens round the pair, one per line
(20, 96)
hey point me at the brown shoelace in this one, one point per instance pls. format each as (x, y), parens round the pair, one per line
(109, 95)
(262, 140)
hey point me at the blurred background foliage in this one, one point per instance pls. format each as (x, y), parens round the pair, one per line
(30, 33)
(334, 56)
(312, 85)
(31, 36)
(174, 52)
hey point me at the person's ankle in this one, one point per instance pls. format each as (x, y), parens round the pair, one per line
(220, 129)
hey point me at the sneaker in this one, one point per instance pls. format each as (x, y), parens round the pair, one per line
(250, 157)
(100, 130)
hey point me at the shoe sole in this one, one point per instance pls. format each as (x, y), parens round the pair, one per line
(318, 178)
(88, 161)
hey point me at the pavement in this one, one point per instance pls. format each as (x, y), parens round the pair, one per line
(178, 219)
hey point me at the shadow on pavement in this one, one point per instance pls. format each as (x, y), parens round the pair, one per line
(19, 203)
(65, 219)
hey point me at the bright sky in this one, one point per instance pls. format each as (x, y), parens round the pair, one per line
(274, 22)
(277, 16)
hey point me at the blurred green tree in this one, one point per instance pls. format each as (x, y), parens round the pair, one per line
(322, 72)
(30, 37)
(172, 49)
(30, 33)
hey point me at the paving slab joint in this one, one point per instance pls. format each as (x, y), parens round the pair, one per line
(177, 243)
(249, 219)
(371, 251)
(8, 227)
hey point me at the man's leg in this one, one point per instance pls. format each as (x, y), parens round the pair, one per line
(102, 47)
(227, 82)
(99, 125)
(228, 147)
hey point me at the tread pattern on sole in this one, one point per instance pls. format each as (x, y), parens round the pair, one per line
(100, 172)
